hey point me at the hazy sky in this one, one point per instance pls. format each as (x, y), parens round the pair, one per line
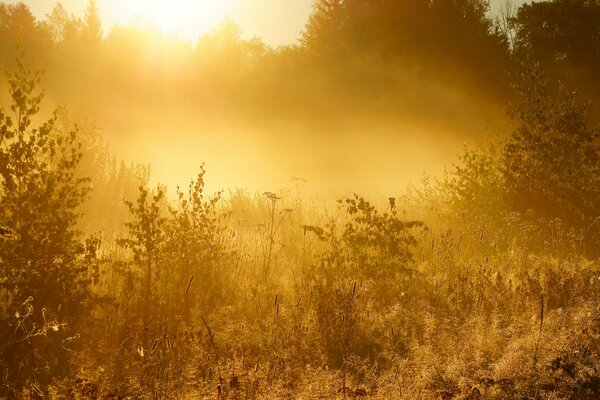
(275, 21)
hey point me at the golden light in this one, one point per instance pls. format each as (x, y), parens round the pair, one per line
(188, 18)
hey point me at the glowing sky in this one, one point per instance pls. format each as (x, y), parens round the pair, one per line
(275, 21)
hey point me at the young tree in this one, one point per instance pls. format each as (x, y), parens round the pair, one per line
(44, 257)
(369, 254)
(146, 239)
(194, 251)
(372, 246)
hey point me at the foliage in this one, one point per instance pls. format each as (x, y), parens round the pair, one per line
(547, 170)
(194, 251)
(370, 250)
(454, 31)
(476, 183)
(560, 31)
(176, 254)
(43, 260)
(145, 239)
(93, 24)
(371, 246)
(551, 162)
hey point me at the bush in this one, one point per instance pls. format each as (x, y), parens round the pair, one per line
(547, 170)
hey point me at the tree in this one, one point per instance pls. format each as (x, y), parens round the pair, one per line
(547, 170)
(560, 31)
(58, 22)
(551, 162)
(324, 26)
(44, 258)
(368, 255)
(93, 23)
(146, 239)
(224, 50)
(21, 20)
(505, 21)
(193, 251)
(16, 23)
(369, 42)
(371, 246)
(453, 28)
(474, 185)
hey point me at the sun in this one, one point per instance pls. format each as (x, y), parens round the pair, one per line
(188, 18)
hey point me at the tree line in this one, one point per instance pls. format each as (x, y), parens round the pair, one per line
(366, 48)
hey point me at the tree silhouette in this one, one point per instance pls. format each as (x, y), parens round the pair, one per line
(21, 20)
(324, 26)
(93, 23)
(560, 31)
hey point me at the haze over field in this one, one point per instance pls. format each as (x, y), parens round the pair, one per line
(210, 101)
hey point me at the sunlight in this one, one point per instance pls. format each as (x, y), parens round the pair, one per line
(188, 18)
